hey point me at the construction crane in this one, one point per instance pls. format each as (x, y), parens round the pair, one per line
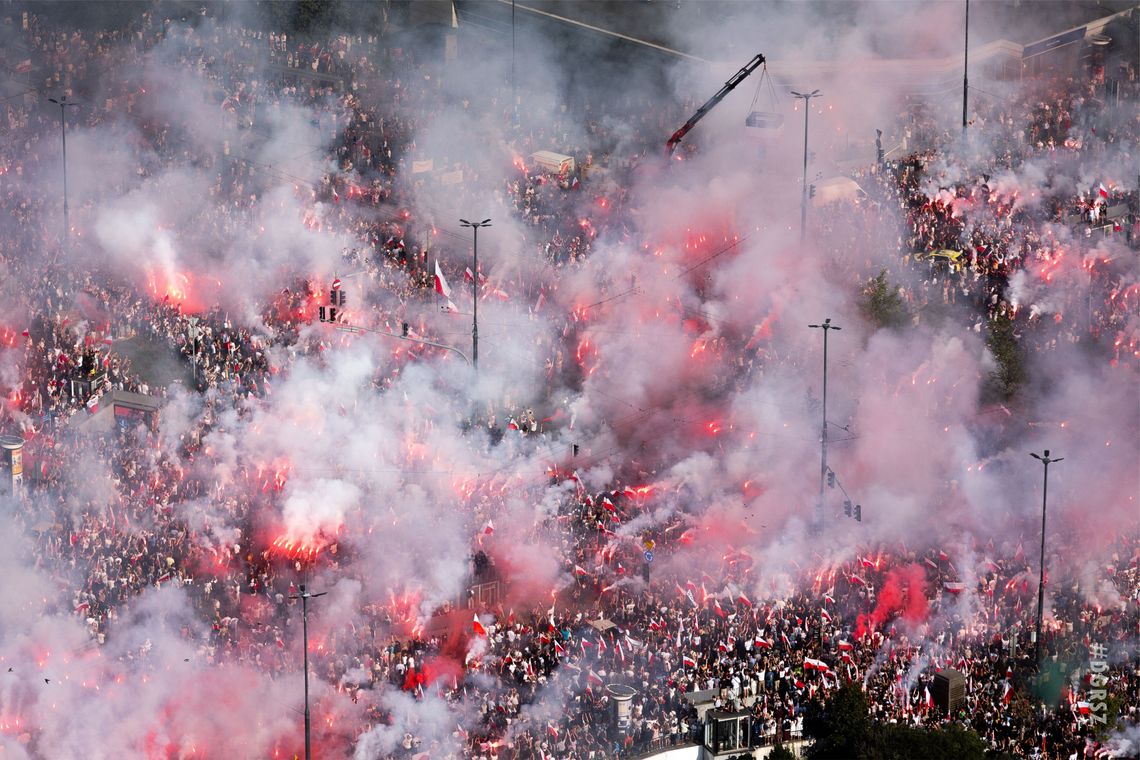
(729, 86)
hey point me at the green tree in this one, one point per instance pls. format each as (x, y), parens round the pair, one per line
(841, 727)
(780, 752)
(1009, 375)
(882, 305)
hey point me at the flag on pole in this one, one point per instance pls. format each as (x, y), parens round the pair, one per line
(478, 628)
(688, 662)
(441, 286)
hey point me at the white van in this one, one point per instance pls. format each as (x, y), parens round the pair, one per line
(552, 163)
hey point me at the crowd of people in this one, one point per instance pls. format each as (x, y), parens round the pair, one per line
(536, 682)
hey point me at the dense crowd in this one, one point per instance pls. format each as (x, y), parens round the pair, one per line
(667, 638)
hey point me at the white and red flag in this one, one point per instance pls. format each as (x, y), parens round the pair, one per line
(478, 627)
(442, 287)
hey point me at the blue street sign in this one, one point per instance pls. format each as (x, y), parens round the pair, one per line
(649, 556)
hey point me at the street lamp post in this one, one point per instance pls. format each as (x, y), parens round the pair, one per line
(806, 97)
(475, 226)
(305, 596)
(966, 67)
(63, 103)
(1045, 460)
(826, 327)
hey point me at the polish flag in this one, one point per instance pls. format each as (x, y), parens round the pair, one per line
(825, 615)
(954, 587)
(1084, 708)
(927, 699)
(688, 662)
(828, 599)
(441, 286)
(810, 664)
(592, 677)
(799, 683)
(857, 580)
(784, 639)
(469, 277)
(845, 646)
(866, 563)
(478, 628)
(717, 608)
(580, 571)
(608, 504)
(761, 643)
(1102, 190)
(744, 600)
(846, 657)
(1007, 692)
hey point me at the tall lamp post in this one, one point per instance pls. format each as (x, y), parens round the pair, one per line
(475, 226)
(305, 596)
(1045, 460)
(966, 67)
(806, 97)
(826, 327)
(63, 104)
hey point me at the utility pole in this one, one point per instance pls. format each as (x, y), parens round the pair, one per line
(475, 226)
(1045, 460)
(966, 67)
(63, 104)
(305, 596)
(826, 327)
(806, 97)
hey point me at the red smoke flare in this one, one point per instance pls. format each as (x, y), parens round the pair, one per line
(903, 595)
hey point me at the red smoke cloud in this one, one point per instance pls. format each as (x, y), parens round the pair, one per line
(903, 596)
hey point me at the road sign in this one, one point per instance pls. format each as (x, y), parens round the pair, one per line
(649, 556)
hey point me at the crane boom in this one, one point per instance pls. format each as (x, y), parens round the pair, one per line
(729, 86)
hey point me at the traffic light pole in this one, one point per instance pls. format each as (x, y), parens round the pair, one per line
(826, 326)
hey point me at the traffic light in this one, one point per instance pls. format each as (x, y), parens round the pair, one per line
(847, 507)
(574, 449)
(322, 313)
(404, 328)
(811, 191)
(331, 315)
(859, 513)
(830, 478)
(337, 298)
